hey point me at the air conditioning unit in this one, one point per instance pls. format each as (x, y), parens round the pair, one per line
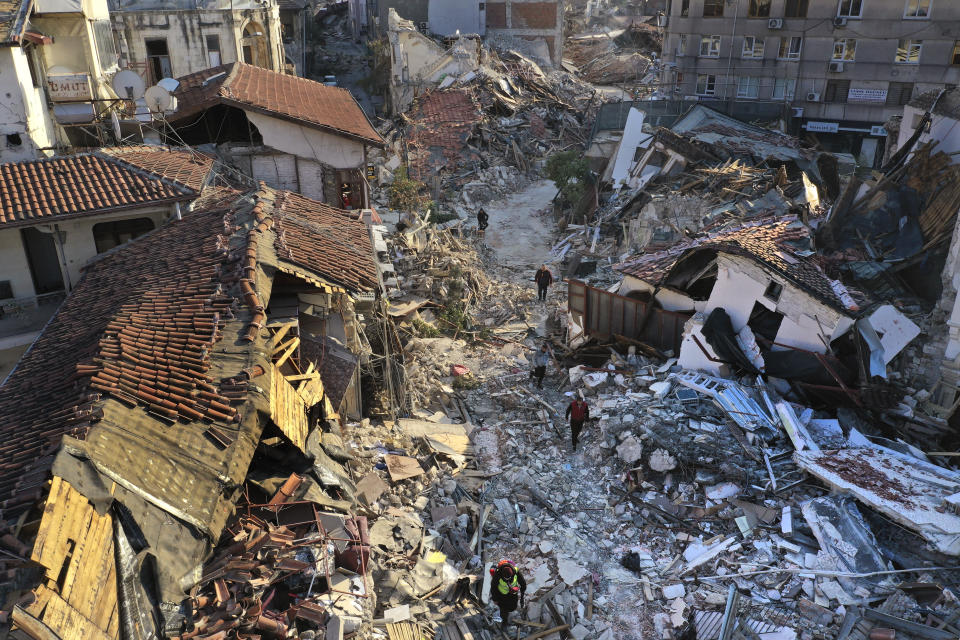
(798, 112)
(836, 67)
(775, 23)
(813, 96)
(839, 22)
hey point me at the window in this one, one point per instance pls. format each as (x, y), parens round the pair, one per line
(844, 50)
(796, 9)
(748, 87)
(790, 48)
(752, 47)
(713, 8)
(836, 91)
(850, 9)
(899, 94)
(955, 57)
(682, 45)
(706, 85)
(213, 50)
(774, 289)
(107, 235)
(710, 46)
(908, 51)
(14, 140)
(158, 60)
(103, 38)
(784, 88)
(759, 9)
(33, 62)
(685, 8)
(917, 9)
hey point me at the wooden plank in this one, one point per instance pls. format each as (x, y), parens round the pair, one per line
(288, 411)
(281, 332)
(546, 632)
(285, 345)
(464, 630)
(289, 352)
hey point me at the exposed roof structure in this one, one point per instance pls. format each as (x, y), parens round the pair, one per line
(105, 180)
(442, 121)
(13, 19)
(149, 356)
(773, 243)
(310, 103)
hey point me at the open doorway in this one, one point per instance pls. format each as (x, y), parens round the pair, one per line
(43, 260)
(764, 322)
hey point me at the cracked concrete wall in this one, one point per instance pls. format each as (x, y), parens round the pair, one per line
(530, 20)
(25, 122)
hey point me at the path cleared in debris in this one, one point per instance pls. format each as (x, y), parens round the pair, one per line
(518, 235)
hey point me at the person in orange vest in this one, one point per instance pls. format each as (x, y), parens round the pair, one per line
(507, 587)
(577, 412)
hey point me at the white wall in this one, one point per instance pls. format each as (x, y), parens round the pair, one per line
(669, 299)
(944, 130)
(24, 110)
(329, 149)
(14, 266)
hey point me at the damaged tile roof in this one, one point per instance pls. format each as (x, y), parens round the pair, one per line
(280, 95)
(13, 19)
(441, 123)
(66, 186)
(770, 242)
(149, 358)
(324, 240)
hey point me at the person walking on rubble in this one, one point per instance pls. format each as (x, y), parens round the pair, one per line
(540, 361)
(577, 412)
(483, 221)
(544, 279)
(507, 587)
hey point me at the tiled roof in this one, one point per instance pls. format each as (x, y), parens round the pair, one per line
(64, 186)
(441, 123)
(13, 19)
(148, 357)
(767, 241)
(189, 168)
(328, 241)
(310, 103)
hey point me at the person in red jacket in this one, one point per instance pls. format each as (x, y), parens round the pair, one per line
(544, 279)
(578, 412)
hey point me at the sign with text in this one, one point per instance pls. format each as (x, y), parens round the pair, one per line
(867, 95)
(69, 86)
(823, 127)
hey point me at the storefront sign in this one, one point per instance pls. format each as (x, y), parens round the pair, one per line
(67, 87)
(823, 127)
(867, 95)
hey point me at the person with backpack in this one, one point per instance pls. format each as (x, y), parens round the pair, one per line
(507, 588)
(577, 412)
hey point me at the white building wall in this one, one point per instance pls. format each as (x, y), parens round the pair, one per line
(327, 148)
(14, 264)
(944, 131)
(24, 111)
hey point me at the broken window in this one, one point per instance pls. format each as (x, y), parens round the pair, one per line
(908, 51)
(158, 60)
(917, 9)
(706, 85)
(713, 8)
(784, 88)
(850, 9)
(682, 45)
(685, 8)
(213, 50)
(790, 48)
(759, 8)
(103, 37)
(764, 322)
(710, 46)
(773, 291)
(845, 50)
(752, 47)
(107, 235)
(899, 93)
(796, 9)
(836, 91)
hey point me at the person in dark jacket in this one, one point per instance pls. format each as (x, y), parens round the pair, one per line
(507, 587)
(577, 412)
(483, 220)
(544, 279)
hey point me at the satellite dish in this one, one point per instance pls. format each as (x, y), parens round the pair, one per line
(115, 121)
(158, 99)
(128, 84)
(169, 84)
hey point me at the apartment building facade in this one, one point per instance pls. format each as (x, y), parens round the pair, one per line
(835, 68)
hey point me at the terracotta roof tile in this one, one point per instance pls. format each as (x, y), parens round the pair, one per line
(326, 240)
(63, 186)
(441, 124)
(306, 101)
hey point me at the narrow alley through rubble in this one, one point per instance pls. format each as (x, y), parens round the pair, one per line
(518, 236)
